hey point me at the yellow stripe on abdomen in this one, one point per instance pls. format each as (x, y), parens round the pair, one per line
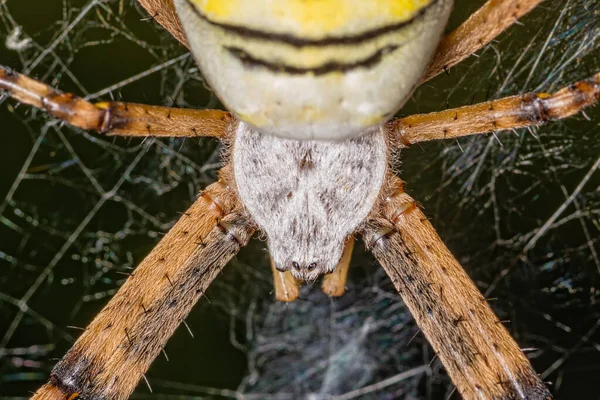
(310, 19)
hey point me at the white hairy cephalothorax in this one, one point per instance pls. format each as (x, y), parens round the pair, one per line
(308, 196)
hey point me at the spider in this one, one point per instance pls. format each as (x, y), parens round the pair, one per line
(482, 359)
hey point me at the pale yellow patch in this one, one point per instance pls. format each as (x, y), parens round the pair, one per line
(309, 113)
(306, 113)
(372, 120)
(253, 119)
(309, 16)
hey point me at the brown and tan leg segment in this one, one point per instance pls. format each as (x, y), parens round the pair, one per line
(479, 354)
(287, 288)
(509, 113)
(334, 284)
(163, 11)
(115, 118)
(116, 349)
(483, 26)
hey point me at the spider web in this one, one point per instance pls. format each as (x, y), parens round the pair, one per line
(78, 211)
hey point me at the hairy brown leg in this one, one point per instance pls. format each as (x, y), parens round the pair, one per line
(118, 346)
(493, 18)
(334, 284)
(115, 118)
(509, 113)
(479, 354)
(163, 11)
(287, 288)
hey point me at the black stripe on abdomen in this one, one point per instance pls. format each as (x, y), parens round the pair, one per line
(297, 41)
(325, 68)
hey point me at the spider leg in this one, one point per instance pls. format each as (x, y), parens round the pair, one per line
(478, 352)
(287, 288)
(116, 349)
(483, 26)
(163, 11)
(509, 113)
(115, 118)
(334, 284)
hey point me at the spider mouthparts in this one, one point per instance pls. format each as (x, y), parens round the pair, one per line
(305, 267)
(307, 271)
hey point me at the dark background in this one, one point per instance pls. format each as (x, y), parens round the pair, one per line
(488, 198)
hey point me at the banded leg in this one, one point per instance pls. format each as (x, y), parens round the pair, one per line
(483, 26)
(118, 346)
(530, 109)
(115, 118)
(479, 354)
(334, 284)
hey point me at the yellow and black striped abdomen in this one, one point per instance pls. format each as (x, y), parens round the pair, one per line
(303, 69)
(310, 21)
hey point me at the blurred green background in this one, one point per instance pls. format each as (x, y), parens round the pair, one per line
(487, 197)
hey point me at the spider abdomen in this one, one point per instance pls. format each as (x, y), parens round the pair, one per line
(329, 69)
(308, 196)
